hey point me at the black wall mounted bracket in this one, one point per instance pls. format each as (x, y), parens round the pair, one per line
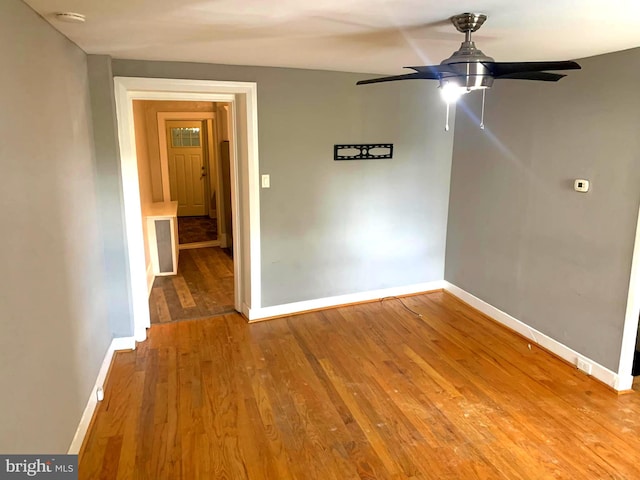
(347, 152)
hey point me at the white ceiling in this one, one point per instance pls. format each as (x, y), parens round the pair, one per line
(378, 36)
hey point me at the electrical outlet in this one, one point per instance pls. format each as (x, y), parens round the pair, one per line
(584, 366)
(99, 394)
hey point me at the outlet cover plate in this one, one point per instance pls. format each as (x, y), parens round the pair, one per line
(585, 366)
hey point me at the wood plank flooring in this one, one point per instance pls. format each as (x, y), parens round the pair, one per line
(202, 288)
(368, 391)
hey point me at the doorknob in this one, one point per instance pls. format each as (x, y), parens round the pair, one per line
(203, 173)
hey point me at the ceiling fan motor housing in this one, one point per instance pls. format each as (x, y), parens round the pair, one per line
(466, 68)
(467, 64)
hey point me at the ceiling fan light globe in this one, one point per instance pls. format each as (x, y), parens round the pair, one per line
(451, 91)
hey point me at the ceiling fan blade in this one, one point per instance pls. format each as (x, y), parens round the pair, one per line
(499, 69)
(408, 76)
(541, 76)
(389, 34)
(432, 69)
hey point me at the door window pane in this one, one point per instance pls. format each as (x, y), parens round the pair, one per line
(185, 137)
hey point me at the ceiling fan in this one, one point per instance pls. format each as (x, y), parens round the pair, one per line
(469, 69)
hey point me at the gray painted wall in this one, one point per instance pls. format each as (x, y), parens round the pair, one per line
(331, 228)
(519, 237)
(110, 197)
(53, 324)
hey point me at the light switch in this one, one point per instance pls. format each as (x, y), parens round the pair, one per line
(266, 181)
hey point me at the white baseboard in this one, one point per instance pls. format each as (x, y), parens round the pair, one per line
(298, 307)
(606, 376)
(123, 343)
(150, 278)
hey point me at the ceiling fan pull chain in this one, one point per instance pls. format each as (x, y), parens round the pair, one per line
(484, 91)
(446, 122)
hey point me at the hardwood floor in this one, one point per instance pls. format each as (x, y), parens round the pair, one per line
(202, 288)
(362, 392)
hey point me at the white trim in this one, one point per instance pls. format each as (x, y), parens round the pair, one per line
(617, 382)
(254, 200)
(192, 245)
(123, 343)
(246, 232)
(240, 222)
(328, 302)
(150, 277)
(245, 310)
(632, 315)
(132, 211)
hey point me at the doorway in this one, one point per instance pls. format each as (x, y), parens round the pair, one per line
(241, 96)
(186, 142)
(188, 167)
(631, 325)
(189, 145)
(635, 369)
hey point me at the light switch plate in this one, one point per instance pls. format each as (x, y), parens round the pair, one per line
(266, 181)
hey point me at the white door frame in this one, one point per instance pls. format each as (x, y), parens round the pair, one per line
(632, 316)
(245, 207)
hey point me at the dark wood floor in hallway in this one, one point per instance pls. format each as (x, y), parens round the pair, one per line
(202, 288)
(369, 391)
(197, 229)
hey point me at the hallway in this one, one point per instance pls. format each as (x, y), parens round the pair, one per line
(203, 287)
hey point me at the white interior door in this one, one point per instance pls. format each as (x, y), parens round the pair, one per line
(187, 168)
